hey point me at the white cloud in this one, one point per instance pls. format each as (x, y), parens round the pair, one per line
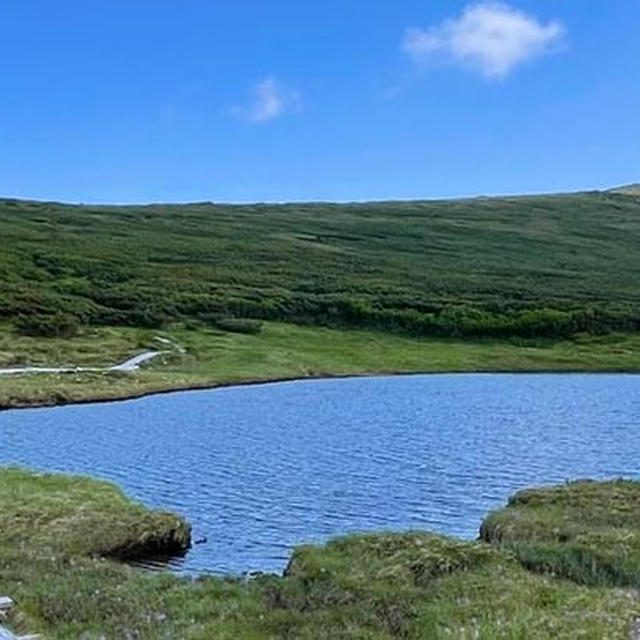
(489, 37)
(269, 101)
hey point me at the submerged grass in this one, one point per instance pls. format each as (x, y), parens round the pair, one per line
(412, 585)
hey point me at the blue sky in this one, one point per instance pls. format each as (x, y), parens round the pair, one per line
(152, 100)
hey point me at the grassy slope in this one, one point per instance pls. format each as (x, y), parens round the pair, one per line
(80, 516)
(279, 351)
(306, 262)
(573, 251)
(374, 587)
(627, 189)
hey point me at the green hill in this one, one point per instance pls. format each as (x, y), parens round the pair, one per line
(627, 189)
(526, 266)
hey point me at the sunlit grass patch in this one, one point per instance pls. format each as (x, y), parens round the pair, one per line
(586, 531)
(78, 516)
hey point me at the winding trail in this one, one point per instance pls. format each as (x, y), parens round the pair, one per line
(130, 365)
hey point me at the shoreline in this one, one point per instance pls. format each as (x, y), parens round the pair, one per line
(506, 580)
(206, 386)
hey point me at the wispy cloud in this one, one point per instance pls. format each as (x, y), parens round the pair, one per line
(269, 101)
(489, 37)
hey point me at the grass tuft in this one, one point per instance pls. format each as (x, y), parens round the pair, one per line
(586, 531)
(77, 516)
(59, 534)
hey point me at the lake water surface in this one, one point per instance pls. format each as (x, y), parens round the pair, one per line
(259, 469)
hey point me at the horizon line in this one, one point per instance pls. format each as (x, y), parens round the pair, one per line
(452, 198)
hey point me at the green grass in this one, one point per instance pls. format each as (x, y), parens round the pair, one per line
(280, 350)
(543, 265)
(96, 346)
(585, 531)
(544, 283)
(419, 585)
(81, 516)
(413, 585)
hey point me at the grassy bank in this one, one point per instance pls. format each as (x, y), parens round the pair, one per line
(412, 585)
(83, 517)
(584, 531)
(213, 357)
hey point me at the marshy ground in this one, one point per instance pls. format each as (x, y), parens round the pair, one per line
(204, 357)
(555, 563)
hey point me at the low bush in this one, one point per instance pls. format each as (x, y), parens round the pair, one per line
(57, 325)
(239, 325)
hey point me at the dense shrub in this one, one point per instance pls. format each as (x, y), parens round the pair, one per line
(148, 316)
(239, 325)
(516, 268)
(57, 325)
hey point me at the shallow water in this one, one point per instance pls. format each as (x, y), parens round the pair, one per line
(258, 469)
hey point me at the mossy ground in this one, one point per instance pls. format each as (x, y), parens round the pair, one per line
(213, 357)
(77, 516)
(412, 585)
(585, 531)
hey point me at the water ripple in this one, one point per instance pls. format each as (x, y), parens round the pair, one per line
(259, 469)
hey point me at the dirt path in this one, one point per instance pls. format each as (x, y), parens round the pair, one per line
(132, 364)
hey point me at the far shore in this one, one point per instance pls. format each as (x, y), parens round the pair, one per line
(204, 359)
(267, 381)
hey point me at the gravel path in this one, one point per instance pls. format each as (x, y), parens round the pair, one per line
(132, 364)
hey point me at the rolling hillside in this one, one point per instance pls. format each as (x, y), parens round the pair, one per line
(526, 266)
(627, 189)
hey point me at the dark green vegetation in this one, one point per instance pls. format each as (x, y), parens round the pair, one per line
(262, 292)
(584, 531)
(546, 266)
(412, 585)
